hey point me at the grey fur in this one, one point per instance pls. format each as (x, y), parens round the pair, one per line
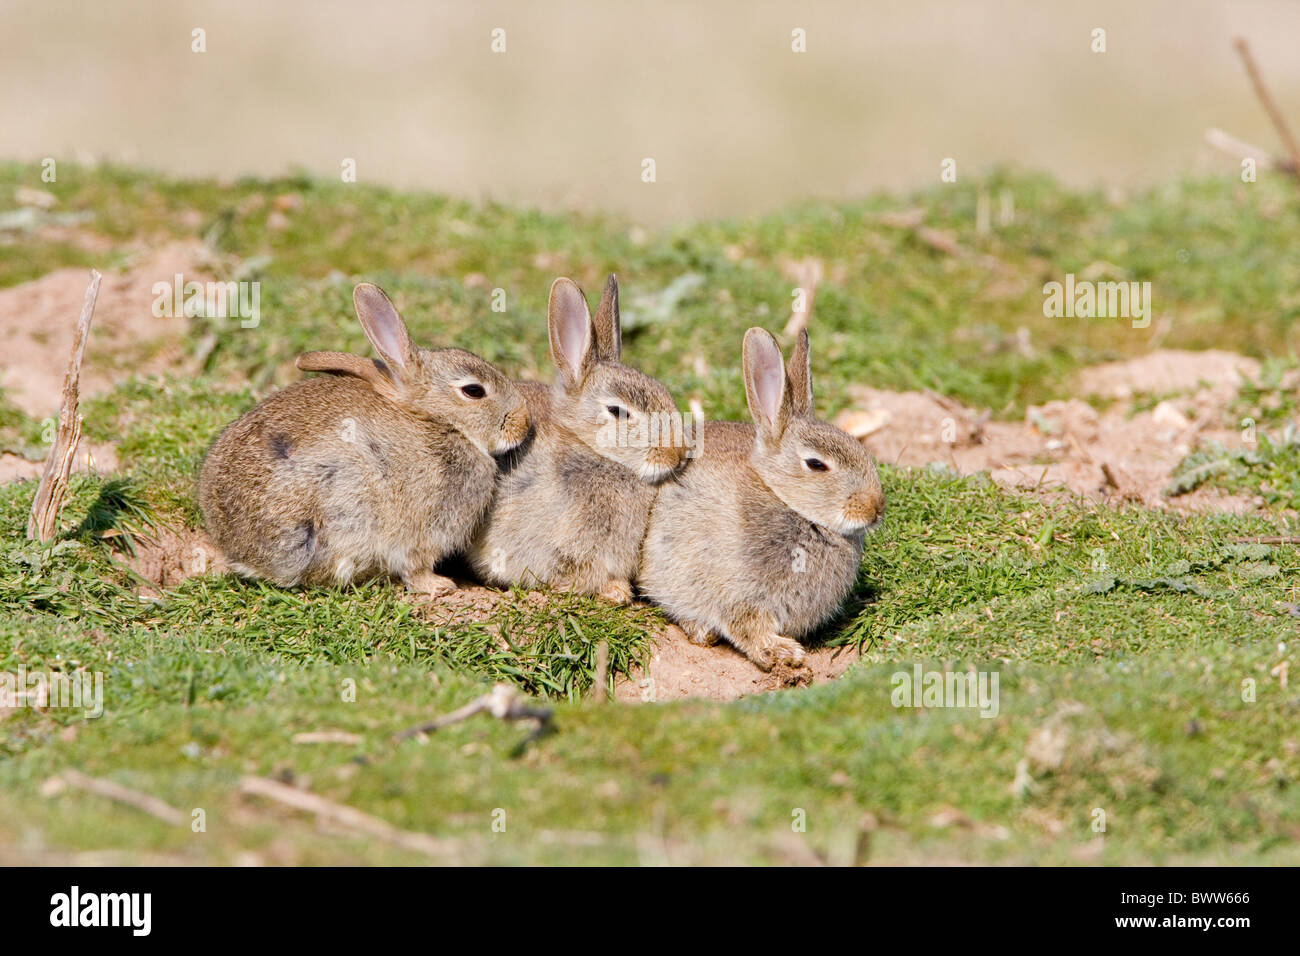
(751, 544)
(571, 508)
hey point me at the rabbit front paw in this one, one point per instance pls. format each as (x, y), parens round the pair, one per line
(620, 592)
(427, 585)
(698, 633)
(770, 649)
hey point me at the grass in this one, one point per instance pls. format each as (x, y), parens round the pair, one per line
(1270, 470)
(1141, 656)
(894, 312)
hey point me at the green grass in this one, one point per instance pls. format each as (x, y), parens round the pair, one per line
(1140, 655)
(1269, 469)
(892, 312)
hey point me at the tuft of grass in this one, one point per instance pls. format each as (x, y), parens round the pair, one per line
(20, 434)
(1271, 401)
(162, 430)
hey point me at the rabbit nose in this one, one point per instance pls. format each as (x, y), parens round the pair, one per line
(515, 424)
(865, 507)
(666, 456)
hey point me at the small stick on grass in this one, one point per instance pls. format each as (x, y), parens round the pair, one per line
(502, 702)
(345, 816)
(598, 689)
(124, 795)
(809, 275)
(44, 518)
(327, 737)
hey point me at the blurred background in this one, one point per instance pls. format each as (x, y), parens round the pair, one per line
(736, 122)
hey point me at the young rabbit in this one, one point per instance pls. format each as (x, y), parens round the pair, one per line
(760, 538)
(571, 505)
(382, 467)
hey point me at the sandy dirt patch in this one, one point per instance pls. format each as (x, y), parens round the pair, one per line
(38, 320)
(168, 557)
(1126, 452)
(679, 669)
(38, 323)
(472, 603)
(91, 458)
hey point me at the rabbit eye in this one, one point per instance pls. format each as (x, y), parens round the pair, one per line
(473, 390)
(617, 411)
(816, 464)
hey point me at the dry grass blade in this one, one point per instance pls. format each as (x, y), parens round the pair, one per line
(809, 275)
(599, 687)
(1232, 146)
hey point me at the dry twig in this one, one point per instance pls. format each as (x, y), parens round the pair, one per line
(1227, 143)
(503, 702)
(327, 737)
(44, 518)
(1292, 162)
(345, 816)
(808, 275)
(124, 795)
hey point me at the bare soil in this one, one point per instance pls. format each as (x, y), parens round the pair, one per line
(1126, 452)
(38, 321)
(679, 669)
(171, 556)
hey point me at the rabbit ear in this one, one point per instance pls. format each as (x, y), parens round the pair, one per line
(569, 323)
(799, 375)
(345, 363)
(609, 331)
(765, 385)
(383, 327)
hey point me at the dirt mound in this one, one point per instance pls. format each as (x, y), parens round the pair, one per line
(169, 557)
(38, 322)
(679, 669)
(1170, 371)
(1128, 452)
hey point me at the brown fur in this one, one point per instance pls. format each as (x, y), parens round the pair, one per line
(751, 543)
(571, 505)
(382, 468)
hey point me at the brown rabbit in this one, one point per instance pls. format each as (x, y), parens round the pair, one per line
(571, 506)
(760, 538)
(382, 467)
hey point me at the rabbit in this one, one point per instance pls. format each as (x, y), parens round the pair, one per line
(760, 537)
(572, 503)
(383, 467)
